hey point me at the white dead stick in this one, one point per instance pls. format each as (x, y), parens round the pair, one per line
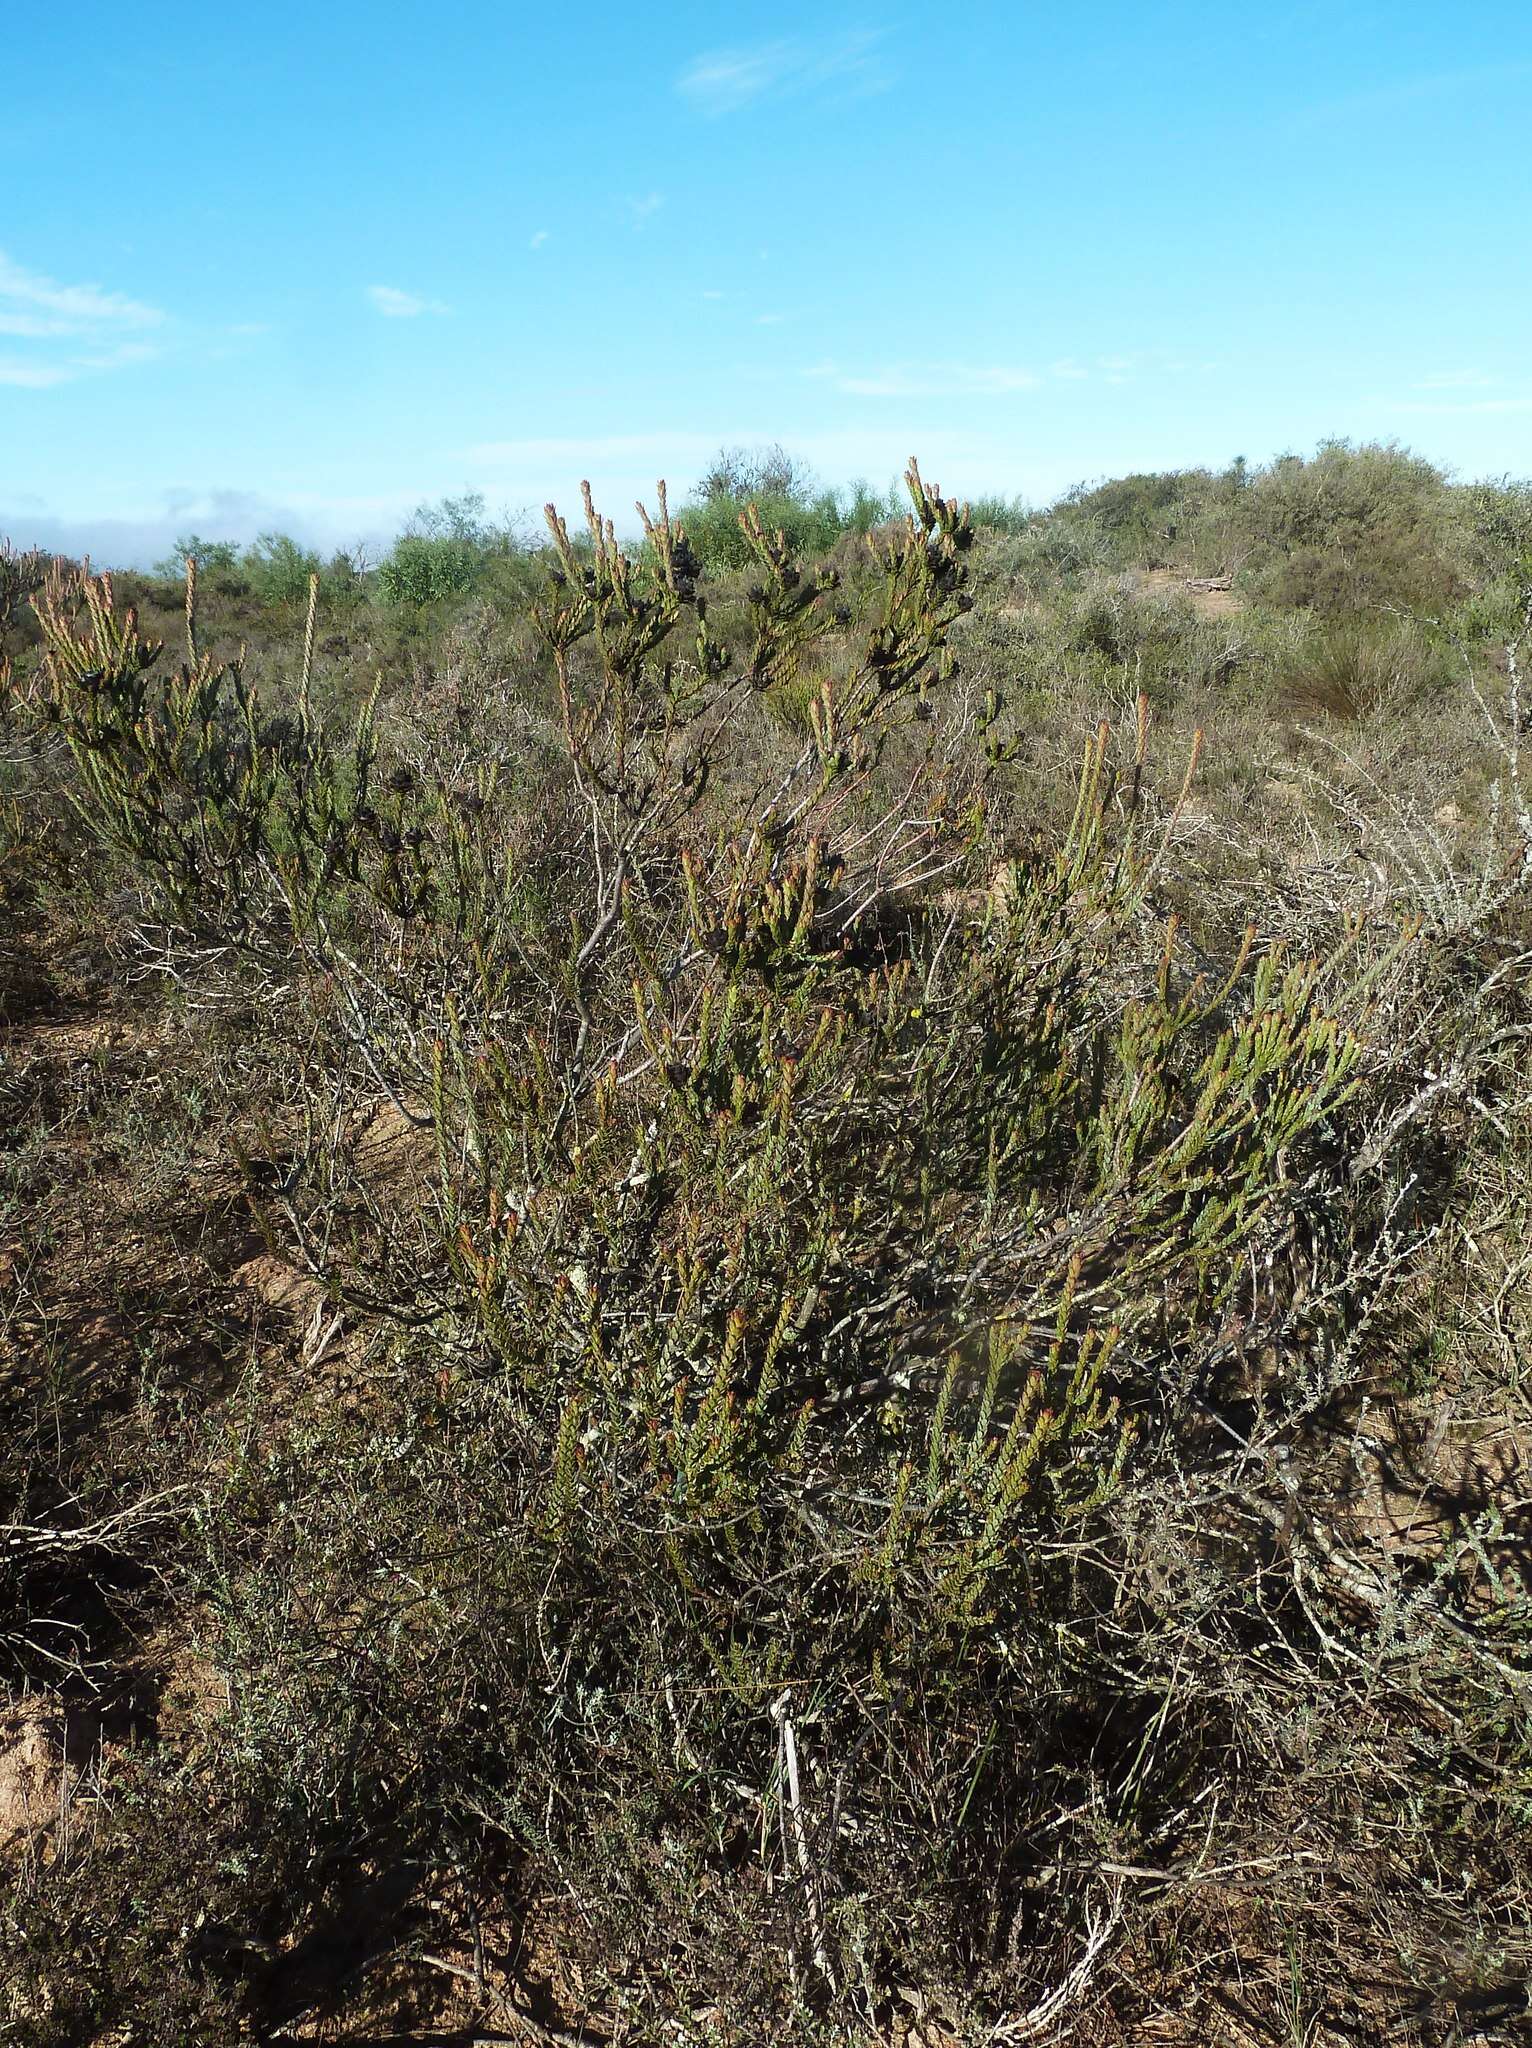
(322, 1332)
(1028, 2026)
(793, 1817)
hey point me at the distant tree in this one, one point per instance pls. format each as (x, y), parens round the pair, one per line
(279, 567)
(743, 475)
(217, 557)
(1500, 527)
(1142, 515)
(789, 498)
(459, 519)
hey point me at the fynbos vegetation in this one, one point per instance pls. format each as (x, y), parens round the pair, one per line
(744, 1306)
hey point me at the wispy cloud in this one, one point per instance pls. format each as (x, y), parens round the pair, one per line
(621, 467)
(596, 448)
(34, 307)
(394, 304)
(722, 81)
(35, 376)
(34, 326)
(32, 304)
(1396, 96)
(994, 380)
(117, 356)
(538, 239)
(1461, 407)
(641, 211)
(1455, 380)
(929, 380)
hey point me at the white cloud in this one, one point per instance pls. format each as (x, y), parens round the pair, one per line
(770, 319)
(712, 295)
(538, 239)
(394, 304)
(722, 81)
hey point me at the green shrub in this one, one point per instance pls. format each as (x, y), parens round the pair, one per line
(422, 569)
(1053, 549)
(1499, 518)
(1350, 529)
(449, 549)
(1142, 516)
(996, 515)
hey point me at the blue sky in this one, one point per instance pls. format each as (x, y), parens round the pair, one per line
(305, 266)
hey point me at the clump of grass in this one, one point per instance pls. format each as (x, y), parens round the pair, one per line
(1363, 671)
